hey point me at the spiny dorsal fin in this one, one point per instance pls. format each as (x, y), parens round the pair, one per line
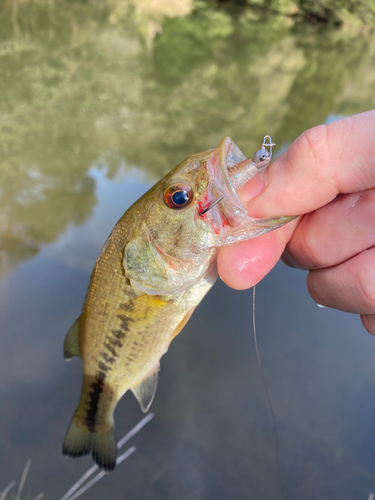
(145, 391)
(71, 344)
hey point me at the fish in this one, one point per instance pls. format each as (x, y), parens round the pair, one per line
(154, 269)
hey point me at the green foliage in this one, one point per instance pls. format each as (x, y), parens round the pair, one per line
(327, 11)
(88, 83)
(340, 11)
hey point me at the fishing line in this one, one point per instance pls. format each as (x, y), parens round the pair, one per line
(278, 147)
(268, 397)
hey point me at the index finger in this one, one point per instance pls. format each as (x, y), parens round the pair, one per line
(323, 162)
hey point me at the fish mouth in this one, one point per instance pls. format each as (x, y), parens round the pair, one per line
(227, 209)
(228, 171)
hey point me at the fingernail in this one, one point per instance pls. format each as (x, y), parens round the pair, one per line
(362, 214)
(320, 305)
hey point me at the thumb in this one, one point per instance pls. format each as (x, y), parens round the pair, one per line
(323, 162)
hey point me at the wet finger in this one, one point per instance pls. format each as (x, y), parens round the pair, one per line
(244, 264)
(322, 162)
(350, 286)
(334, 233)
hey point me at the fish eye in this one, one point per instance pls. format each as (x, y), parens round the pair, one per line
(178, 196)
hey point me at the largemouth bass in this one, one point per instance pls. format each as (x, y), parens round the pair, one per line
(156, 266)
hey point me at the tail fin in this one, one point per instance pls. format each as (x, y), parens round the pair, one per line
(104, 449)
(77, 441)
(80, 441)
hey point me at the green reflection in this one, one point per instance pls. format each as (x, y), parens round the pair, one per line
(83, 82)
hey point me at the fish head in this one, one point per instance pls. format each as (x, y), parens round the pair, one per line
(176, 241)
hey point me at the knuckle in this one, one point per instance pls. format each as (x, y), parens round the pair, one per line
(313, 143)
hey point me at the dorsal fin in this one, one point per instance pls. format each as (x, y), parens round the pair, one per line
(145, 391)
(71, 344)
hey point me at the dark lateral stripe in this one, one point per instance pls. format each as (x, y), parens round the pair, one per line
(97, 389)
(107, 359)
(111, 349)
(119, 334)
(115, 342)
(125, 322)
(105, 368)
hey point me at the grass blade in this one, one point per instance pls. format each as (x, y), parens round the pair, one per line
(80, 481)
(7, 490)
(101, 474)
(38, 497)
(135, 429)
(120, 444)
(23, 479)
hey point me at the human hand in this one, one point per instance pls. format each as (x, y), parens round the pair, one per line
(328, 173)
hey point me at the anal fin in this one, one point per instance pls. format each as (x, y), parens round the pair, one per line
(71, 344)
(145, 391)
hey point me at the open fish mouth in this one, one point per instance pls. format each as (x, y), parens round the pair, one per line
(228, 172)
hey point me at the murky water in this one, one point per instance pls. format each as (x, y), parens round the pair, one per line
(97, 100)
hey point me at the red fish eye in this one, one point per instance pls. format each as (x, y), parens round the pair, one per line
(178, 196)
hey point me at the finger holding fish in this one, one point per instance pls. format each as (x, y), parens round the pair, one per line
(320, 164)
(333, 238)
(244, 264)
(334, 233)
(349, 286)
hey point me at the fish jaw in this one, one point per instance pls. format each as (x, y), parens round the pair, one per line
(229, 211)
(229, 170)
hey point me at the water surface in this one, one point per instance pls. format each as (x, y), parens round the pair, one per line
(97, 101)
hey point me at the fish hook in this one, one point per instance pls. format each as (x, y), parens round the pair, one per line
(212, 205)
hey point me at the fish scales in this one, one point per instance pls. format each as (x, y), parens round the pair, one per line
(155, 268)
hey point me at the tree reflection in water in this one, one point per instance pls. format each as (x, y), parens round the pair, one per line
(84, 82)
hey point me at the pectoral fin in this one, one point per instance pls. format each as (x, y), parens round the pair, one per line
(145, 391)
(71, 344)
(142, 308)
(182, 324)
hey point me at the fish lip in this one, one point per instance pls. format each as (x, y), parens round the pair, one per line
(226, 147)
(229, 208)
